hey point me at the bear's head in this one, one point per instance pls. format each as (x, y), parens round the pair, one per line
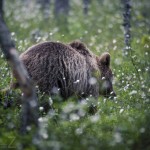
(106, 86)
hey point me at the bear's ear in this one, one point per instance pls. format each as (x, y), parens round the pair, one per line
(104, 59)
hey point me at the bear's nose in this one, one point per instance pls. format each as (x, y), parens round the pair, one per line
(113, 94)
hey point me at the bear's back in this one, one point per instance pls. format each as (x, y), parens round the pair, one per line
(56, 65)
(47, 48)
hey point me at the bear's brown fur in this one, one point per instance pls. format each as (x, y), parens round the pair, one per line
(68, 69)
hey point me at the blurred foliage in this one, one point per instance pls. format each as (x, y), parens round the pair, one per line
(122, 123)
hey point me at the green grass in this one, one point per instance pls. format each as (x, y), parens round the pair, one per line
(123, 123)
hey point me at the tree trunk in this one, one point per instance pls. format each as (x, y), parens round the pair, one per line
(61, 11)
(86, 4)
(29, 106)
(61, 7)
(45, 7)
(126, 23)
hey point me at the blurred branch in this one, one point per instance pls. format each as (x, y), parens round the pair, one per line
(29, 107)
(1, 7)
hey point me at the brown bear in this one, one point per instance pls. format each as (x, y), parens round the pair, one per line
(69, 69)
